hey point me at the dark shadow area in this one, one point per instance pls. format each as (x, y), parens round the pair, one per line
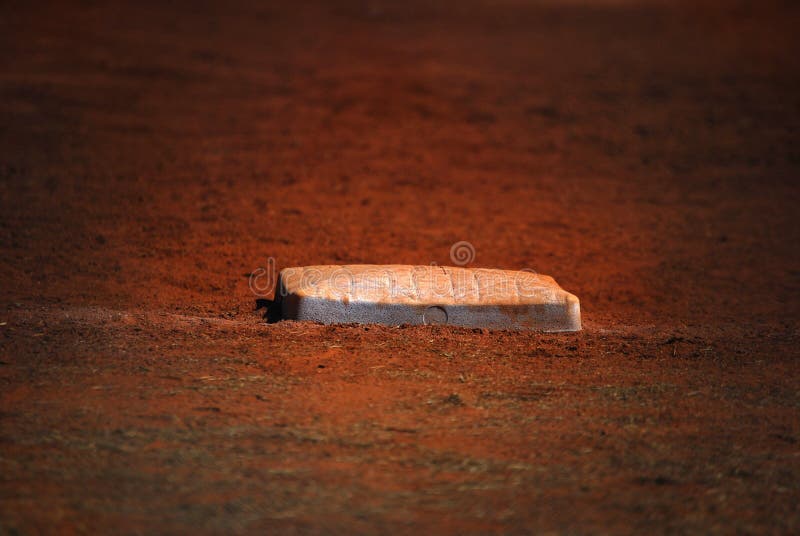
(272, 309)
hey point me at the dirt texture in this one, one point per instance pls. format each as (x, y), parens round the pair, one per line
(155, 155)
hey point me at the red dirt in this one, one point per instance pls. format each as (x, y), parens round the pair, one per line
(152, 156)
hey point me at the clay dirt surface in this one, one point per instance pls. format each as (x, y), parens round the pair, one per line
(155, 155)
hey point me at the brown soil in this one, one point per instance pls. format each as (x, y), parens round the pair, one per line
(153, 155)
